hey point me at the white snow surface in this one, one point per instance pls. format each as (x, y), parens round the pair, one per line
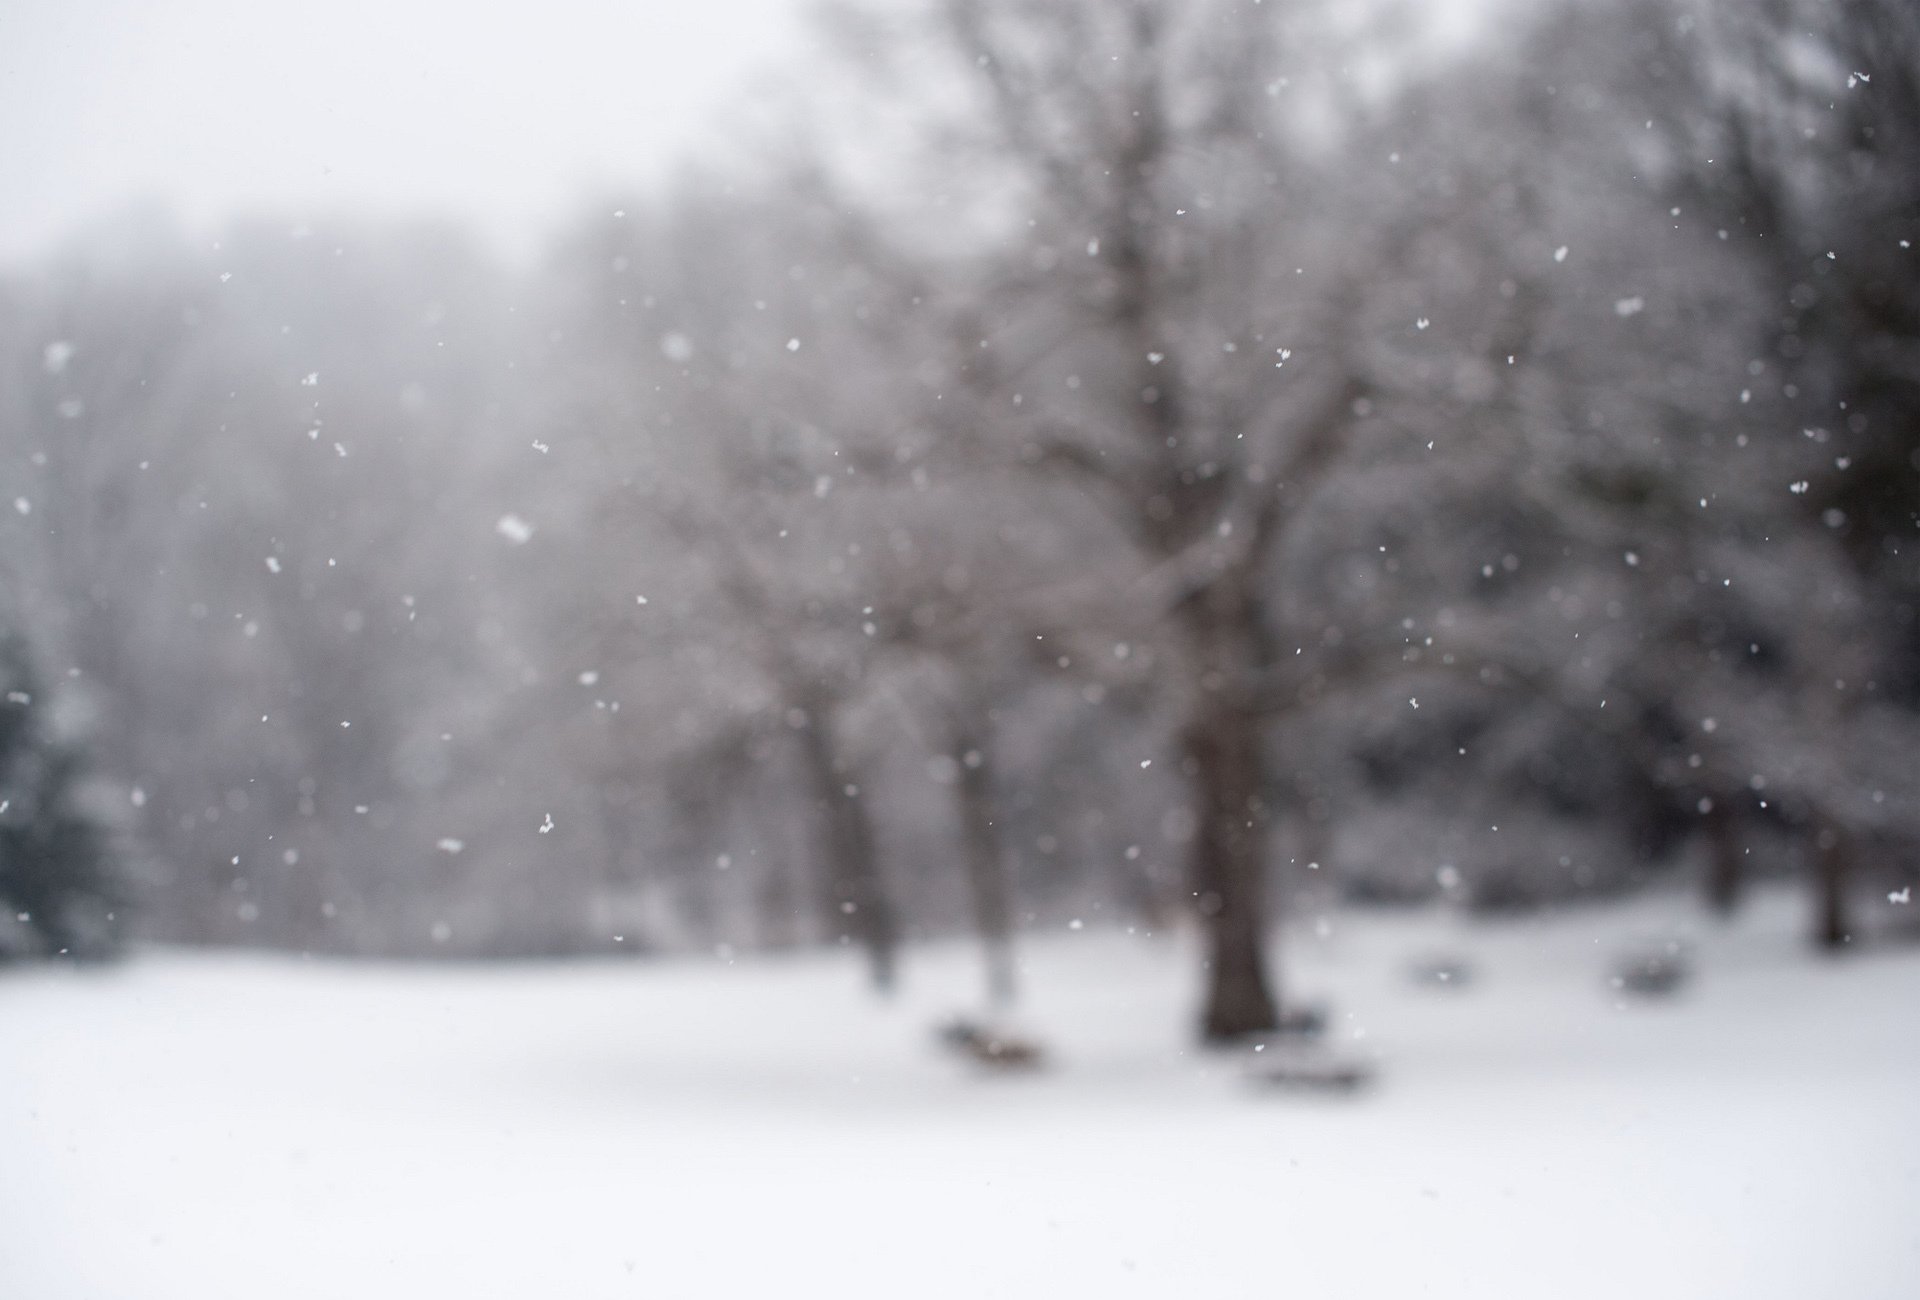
(193, 1126)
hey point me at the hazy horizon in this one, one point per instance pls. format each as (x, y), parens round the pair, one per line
(504, 117)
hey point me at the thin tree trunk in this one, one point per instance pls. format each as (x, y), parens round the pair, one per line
(1832, 870)
(1229, 866)
(775, 902)
(1313, 845)
(986, 866)
(1726, 863)
(859, 908)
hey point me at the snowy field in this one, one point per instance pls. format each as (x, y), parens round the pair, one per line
(202, 1127)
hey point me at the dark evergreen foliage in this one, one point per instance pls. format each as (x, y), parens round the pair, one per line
(57, 879)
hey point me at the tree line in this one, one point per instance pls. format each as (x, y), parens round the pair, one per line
(1137, 462)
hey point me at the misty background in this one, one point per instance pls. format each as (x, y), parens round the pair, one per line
(985, 646)
(1036, 461)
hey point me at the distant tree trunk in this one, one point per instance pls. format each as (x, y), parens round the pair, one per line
(1314, 844)
(856, 897)
(986, 864)
(1155, 905)
(1832, 871)
(775, 903)
(1726, 862)
(1223, 746)
(695, 899)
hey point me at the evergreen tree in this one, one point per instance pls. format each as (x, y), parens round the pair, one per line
(56, 873)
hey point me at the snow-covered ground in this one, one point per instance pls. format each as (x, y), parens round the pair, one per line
(249, 1127)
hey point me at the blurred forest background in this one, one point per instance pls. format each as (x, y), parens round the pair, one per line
(1102, 461)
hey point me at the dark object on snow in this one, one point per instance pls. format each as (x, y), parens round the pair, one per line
(1441, 972)
(999, 1048)
(1654, 973)
(1296, 1024)
(1310, 1070)
(1300, 1022)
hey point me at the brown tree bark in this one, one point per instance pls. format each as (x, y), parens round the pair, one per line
(1833, 851)
(1223, 747)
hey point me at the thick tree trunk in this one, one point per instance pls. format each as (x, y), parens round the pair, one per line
(1229, 866)
(986, 866)
(1726, 860)
(1832, 871)
(858, 906)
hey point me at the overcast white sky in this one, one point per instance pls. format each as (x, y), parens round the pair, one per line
(501, 110)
